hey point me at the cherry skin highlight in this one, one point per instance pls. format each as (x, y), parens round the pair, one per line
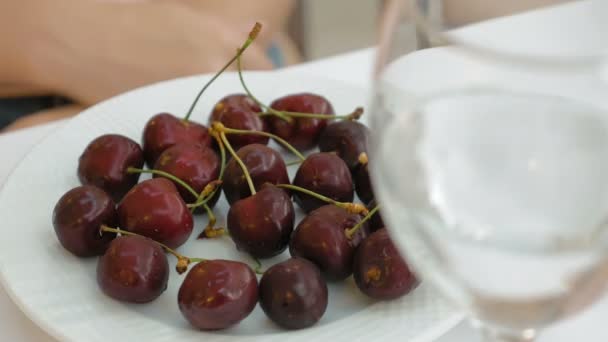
(105, 161)
(77, 217)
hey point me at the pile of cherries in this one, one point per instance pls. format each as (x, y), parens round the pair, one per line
(132, 225)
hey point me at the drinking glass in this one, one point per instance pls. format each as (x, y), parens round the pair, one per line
(490, 161)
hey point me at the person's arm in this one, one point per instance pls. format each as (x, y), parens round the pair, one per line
(89, 50)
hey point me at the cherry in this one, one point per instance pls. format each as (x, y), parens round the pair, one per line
(77, 217)
(348, 138)
(379, 271)
(238, 111)
(303, 133)
(217, 294)
(165, 130)
(363, 185)
(105, 161)
(326, 174)
(375, 222)
(261, 224)
(321, 238)
(293, 294)
(133, 269)
(196, 165)
(155, 209)
(264, 164)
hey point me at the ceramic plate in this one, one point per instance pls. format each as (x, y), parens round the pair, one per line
(59, 291)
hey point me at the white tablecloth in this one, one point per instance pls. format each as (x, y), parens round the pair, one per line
(354, 68)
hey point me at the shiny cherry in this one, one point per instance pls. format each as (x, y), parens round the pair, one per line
(379, 270)
(105, 161)
(155, 209)
(326, 174)
(375, 222)
(165, 130)
(133, 269)
(264, 164)
(347, 138)
(320, 237)
(77, 217)
(194, 164)
(293, 294)
(238, 111)
(217, 294)
(302, 133)
(261, 224)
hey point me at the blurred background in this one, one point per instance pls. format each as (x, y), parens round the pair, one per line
(322, 28)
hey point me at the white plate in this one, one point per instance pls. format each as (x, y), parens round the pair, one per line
(59, 291)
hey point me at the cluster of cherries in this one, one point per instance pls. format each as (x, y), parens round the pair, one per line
(336, 239)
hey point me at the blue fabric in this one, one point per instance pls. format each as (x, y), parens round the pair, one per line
(276, 56)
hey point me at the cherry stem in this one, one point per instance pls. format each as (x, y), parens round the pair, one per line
(258, 266)
(238, 160)
(210, 214)
(182, 261)
(355, 115)
(292, 163)
(363, 159)
(252, 35)
(222, 128)
(255, 99)
(166, 175)
(352, 231)
(354, 208)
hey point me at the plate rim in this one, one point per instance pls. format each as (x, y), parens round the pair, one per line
(427, 335)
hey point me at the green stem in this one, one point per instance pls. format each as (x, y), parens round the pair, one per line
(258, 266)
(354, 208)
(355, 115)
(292, 163)
(182, 261)
(252, 35)
(255, 99)
(166, 175)
(351, 232)
(239, 161)
(266, 134)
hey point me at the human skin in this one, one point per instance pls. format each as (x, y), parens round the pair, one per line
(92, 50)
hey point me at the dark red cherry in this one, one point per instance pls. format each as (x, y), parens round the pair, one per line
(196, 165)
(262, 224)
(154, 208)
(264, 164)
(375, 222)
(302, 133)
(238, 111)
(379, 270)
(320, 237)
(217, 294)
(347, 138)
(325, 174)
(165, 130)
(363, 185)
(133, 269)
(293, 294)
(77, 217)
(105, 161)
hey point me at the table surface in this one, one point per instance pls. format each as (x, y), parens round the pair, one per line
(355, 68)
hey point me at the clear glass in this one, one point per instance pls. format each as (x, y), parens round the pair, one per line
(491, 166)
